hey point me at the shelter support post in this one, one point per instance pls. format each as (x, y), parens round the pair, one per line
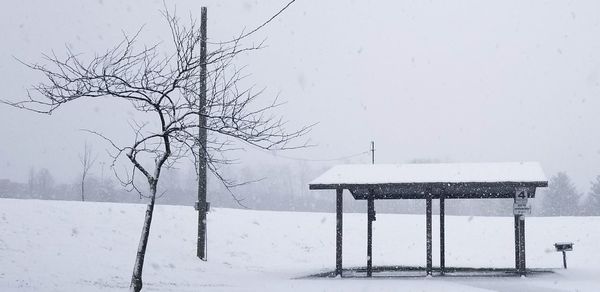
(522, 245)
(370, 219)
(429, 243)
(517, 244)
(338, 238)
(442, 237)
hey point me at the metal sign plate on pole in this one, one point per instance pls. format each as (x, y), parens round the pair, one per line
(520, 210)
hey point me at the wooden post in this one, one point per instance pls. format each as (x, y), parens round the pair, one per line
(370, 218)
(442, 237)
(428, 235)
(522, 245)
(339, 207)
(564, 259)
(372, 152)
(517, 244)
(202, 205)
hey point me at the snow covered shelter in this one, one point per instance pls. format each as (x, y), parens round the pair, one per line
(429, 182)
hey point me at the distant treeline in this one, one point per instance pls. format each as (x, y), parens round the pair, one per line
(285, 187)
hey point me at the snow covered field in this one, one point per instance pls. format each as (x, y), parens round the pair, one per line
(74, 246)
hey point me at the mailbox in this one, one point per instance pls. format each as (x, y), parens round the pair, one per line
(564, 247)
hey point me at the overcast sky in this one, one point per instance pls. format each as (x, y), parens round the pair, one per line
(471, 81)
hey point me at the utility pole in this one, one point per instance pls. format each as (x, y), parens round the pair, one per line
(201, 204)
(372, 152)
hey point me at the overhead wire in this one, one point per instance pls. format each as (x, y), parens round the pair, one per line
(256, 28)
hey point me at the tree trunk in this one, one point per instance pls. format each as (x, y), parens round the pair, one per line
(136, 278)
(83, 189)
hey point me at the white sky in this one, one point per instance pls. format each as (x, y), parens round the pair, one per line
(468, 81)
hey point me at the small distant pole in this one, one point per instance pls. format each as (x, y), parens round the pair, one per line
(372, 152)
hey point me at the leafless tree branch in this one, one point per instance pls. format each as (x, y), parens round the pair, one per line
(166, 88)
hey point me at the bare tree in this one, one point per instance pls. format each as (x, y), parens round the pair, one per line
(87, 162)
(40, 183)
(163, 85)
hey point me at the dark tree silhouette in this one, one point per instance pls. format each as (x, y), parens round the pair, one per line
(561, 198)
(592, 205)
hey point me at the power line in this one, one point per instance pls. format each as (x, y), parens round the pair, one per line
(257, 28)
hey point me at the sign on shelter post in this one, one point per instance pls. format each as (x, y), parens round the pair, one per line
(521, 206)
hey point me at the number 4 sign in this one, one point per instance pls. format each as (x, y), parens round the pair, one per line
(521, 196)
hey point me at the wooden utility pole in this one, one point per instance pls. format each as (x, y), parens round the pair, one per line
(372, 152)
(201, 204)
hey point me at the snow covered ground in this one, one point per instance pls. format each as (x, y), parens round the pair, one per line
(74, 246)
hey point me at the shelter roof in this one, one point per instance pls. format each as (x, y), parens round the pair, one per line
(474, 180)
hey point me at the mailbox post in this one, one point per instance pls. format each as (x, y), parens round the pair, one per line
(564, 247)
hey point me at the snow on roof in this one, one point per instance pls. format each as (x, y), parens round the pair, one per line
(432, 173)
